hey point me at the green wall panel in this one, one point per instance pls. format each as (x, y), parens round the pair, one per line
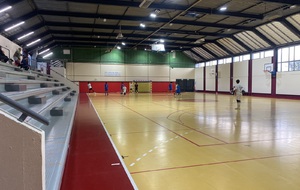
(115, 56)
(86, 55)
(128, 56)
(58, 53)
(158, 58)
(136, 57)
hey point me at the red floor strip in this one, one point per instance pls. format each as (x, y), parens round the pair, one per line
(91, 155)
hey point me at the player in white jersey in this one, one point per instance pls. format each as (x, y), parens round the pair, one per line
(238, 90)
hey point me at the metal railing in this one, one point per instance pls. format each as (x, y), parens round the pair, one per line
(25, 111)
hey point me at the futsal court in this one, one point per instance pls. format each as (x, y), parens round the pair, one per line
(199, 141)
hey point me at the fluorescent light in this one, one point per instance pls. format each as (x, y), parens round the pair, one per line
(224, 8)
(153, 15)
(28, 34)
(44, 51)
(47, 55)
(142, 25)
(162, 41)
(14, 26)
(5, 9)
(123, 43)
(118, 47)
(33, 42)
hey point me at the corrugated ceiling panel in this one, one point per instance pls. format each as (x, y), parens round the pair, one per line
(252, 40)
(216, 49)
(278, 33)
(232, 45)
(295, 21)
(203, 53)
(193, 56)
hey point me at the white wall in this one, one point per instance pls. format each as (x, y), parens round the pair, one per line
(126, 72)
(22, 155)
(224, 77)
(4, 42)
(261, 81)
(199, 78)
(288, 83)
(210, 83)
(240, 71)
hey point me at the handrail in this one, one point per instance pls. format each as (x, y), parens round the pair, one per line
(25, 111)
(63, 76)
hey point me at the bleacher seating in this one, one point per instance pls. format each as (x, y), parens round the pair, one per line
(50, 97)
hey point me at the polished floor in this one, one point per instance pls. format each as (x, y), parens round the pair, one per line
(199, 141)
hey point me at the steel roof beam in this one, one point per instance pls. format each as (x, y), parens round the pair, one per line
(144, 19)
(289, 2)
(170, 7)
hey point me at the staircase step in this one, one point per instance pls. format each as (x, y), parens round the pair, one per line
(44, 85)
(31, 77)
(18, 69)
(37, 99)
(56, 111)
(67, 99)
(15, 87)
(55, 92)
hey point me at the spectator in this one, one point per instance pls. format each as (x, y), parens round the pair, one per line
(17, 57)
(3, 57)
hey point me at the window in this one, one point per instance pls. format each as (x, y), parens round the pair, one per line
(297, 55)
(269, 53)
(246, 57)
(198, 65)
(288, 59)
(236, 59)
(255, 55)
(228, 60)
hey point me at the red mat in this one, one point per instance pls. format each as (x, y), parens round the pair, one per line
(91, 160)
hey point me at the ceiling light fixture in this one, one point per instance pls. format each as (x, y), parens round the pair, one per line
(14, 26)
(33, 42)
(123, 43)
(24, 36)
(142, 25)
(44, 51)
(223, 8)
(120, 35)
(153, 15)
(48, 54)
(5, 9)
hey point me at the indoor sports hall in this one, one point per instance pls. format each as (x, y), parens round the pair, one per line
(149, 95)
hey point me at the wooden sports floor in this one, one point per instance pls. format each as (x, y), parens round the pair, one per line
(199, 141)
